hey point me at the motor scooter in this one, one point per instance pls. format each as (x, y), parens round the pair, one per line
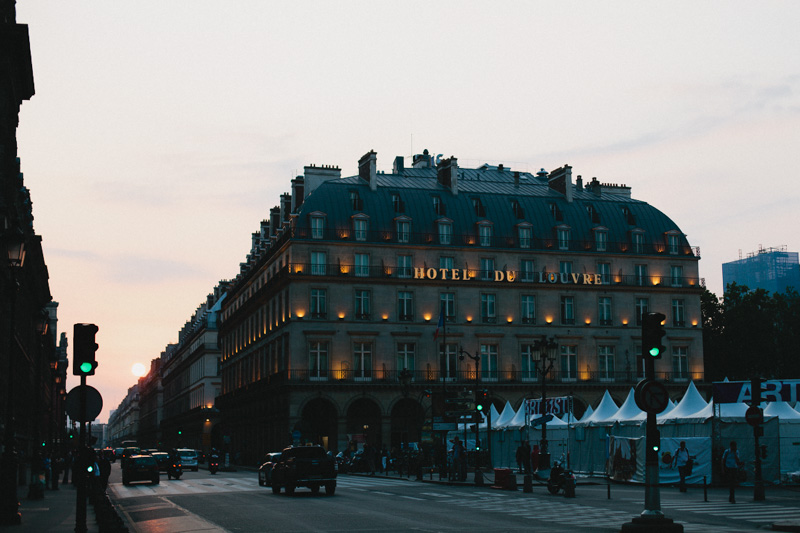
(213, 465)
(561, 480)
(174, 470)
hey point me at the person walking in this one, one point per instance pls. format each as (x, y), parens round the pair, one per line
(731, 464)
(526, 457)
(681, 459)
(519, 459)
(459, 459)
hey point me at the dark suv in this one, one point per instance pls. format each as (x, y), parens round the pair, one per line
(140, 468)
(304, 466)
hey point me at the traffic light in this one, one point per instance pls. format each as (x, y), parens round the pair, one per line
(84, 350)
(755, 391)
(477, 445)
(652, 331)
(427, 393)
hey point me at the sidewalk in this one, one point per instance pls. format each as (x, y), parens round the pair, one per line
(54, 513)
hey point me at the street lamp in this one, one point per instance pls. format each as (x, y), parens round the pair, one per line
(544, 351)
(9, 504)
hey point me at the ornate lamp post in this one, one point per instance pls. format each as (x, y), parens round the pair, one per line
(544, 351)
(9, 504)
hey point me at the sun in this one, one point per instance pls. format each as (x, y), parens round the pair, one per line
(138, 370)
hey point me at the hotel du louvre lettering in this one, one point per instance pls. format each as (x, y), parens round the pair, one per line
(464, 274)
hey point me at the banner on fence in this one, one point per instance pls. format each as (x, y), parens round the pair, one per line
(555, 406)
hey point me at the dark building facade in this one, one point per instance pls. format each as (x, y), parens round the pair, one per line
(330, 333)
(32, 369)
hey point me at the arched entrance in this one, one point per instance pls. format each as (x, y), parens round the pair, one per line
(364, 422)
(407, 419)
(318, 424)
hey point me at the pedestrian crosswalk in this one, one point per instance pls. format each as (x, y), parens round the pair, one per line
(212, 484)
(753, 512)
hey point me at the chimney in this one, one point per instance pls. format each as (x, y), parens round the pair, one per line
(560, 180)
(367, 169)
(399, 165)
(595, 187)
(297, 193)
(579, 183)
(447, 174)
(516, 179)
(274, 220)
(286, 206)
(315, 176)
(422, 160)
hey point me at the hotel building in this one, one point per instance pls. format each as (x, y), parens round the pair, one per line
(331, 331)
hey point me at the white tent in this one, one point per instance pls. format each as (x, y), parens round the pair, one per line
(587, 413)
(628, 411)
(606, 409)
(519, 419)
(789, 427)
(690, 404)
(505, 417)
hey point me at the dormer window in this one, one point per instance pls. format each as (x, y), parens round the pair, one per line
(517, 209)
(317, 226)
(355, 201)
(477, 205)
(485, 234)
(629, 216)
(403, 230)
(593, 214)
(563, 236)
(673, 243)
(360, 226)
(637, 241)
(438, 206)
(556, 212)
(445, 232)
(525, 236)
(397, 203)
(601, 239)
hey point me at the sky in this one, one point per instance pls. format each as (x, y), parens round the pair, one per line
(162, 132)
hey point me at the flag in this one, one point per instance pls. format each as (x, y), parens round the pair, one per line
(440, 324)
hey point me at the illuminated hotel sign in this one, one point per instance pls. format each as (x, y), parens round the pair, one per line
(463, 274)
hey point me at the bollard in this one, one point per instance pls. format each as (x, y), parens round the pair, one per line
(419, 472)
(478, 477)
(705, 490)
(527, 484)
(608, 490)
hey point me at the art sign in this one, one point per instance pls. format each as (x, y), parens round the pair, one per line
(786, 390)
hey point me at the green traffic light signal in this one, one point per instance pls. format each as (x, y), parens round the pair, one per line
(479, 407)
(652, 332)
(85, 368)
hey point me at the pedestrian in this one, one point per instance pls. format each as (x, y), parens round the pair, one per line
(459, 459)
(518, 457)
(535, 458)
(731, 464)
(67, 466)
(104, 467)
(526, 457)
(682, 460)
(369, 455)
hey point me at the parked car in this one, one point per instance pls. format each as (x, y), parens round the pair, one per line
(140, 468)
(304, 466)
(265, 470)
(163, 460)
(188, 458)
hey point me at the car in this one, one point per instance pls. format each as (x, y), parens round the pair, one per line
(128, 452)
(188, 458)
(304, 466)
(140, 468)
(163, 460)
(265, 470)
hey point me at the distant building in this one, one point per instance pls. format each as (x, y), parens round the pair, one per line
(771, 269)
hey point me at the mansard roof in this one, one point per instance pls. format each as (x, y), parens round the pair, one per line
(540, 206)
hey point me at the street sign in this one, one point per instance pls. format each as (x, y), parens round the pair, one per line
(469, 412)
(651, 396)
(541, 420)
(94, 404)
(754, 415)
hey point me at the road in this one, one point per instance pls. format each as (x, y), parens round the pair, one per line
(233, 502)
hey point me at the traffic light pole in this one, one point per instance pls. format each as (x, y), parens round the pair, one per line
(759, 494)
(652, 494)
(80, 472)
